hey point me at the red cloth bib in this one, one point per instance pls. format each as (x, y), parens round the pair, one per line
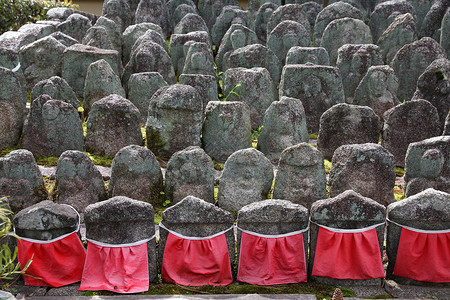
(423, 256)
(57, 263)
(117, 269)
(196, 262)
(348, 255)
(268, 261)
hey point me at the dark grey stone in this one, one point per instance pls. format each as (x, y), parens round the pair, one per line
(211, 9)
(433, 19)
(301, 175)
(150, 35)
(189, 23)
(445, 33)
(302, 55)
(78, 182)
(97, 36)
(199, 60)
(174, 11)
(38, 30)
(311, 9)
(132, 34)
(64, 38)
(447, 125)
(293, 12)
(119, 11)
(154, 11)
(9, 58)
(75, 26)
(181, 11)
(112, 31)
(59, 13)
(57, 88)
(206, 86)
(368, 169)
(406, 123)
(262, 18)
(229, 15)
(14, 40)
(254, 5)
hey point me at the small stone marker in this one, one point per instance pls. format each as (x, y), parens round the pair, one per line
(57, 88)
(154, 11)
(132, 33)
(119, 11)
(76, 26)
(229, 15)
(199, 60)
(302, 55)
(262, 18)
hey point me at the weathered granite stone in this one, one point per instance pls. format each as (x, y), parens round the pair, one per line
(411, 61)
(344, 124)
(409, 122)
(132, 34)
(78, 182)
(428, 210)
(119, 11)
(293, 12)
(196, 218)
(38, 30)
(318, 87)
(330, 13)
(426, 165)
(368, 169)
(189, 23)
(344, 31)
(302, 55)
(75, 26)
(9, 58)
(301, 175)
(262, 18)
(253, 87)
(229, 15)
(174, 119)
(57, 88)
(101, 81)
(401, 31)
(96, 36)
(179, 44)
(205, 85)
(284, 126)
(246, 178)
(113, 123)
(254, 5)
(255, 55)
(190, 172)
(211, 9)
(141, 88)
(285, 35)
(311, 9)
(52, 127)
(237, 36)
(41, 59)
(433, 20)
(121, 220)
(112, 31)
(45, 221)
(59, 13)
(76, 61)
(180, 12)
(348, 210)
(353, 62)
(21, 180)
(447, 125)
(149, 36)
(199, 60)
(135, 173)
(445, 33)
(378, 89)
(14, 40)
(173, 5)
(226, 129)
(385, 13)
(434, 85)
(64, 38)
(154, 11)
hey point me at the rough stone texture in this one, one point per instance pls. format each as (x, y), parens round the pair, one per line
(384, 13)
(253, 87)
(285, 35)
(199, 60)
(174, 120)
(237, 36)
(141, 87)
(59, 13)
(76, 61)
(301, 175)
(368, 169)
(150, 35)
(284, 126)
(135, 173)
(427, 165)
(175, 11)
(402, 31)
(433, 20)
(189, 23)
(348, 210)
(97, 36)
(330, 13)
(255, 55)
(57, 88)
(311, 9)
(13, 99)
(119, 11)
(445, 33)
(154, 11)
(411, 61)
(75, 26)
(447, 125)
(229, 15)
(345, 124)
(38, 30)
(64, 38)
(113, 123)
(21, 180)
(9, 58)
(293, 12)
(41, 59)
(318, 87)
(353, 62)
(112, 31)
(179, 44)
(226, 129)
(253, 6)
(121, 220)
(378, 89)
(190, 172)
(303, 55)
(406, 123)
(181, 11)
(52, 127)
(211, 9)
(428, 210)
(246, 178)
(132, 34)
(434, 85)
(344, 31)
(101, 81)
(14, 40)
(45, 221)
(78, 182)
(205, 85)
(198, 218)
(262, 18)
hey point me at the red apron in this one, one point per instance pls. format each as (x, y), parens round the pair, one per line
(348, 253)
